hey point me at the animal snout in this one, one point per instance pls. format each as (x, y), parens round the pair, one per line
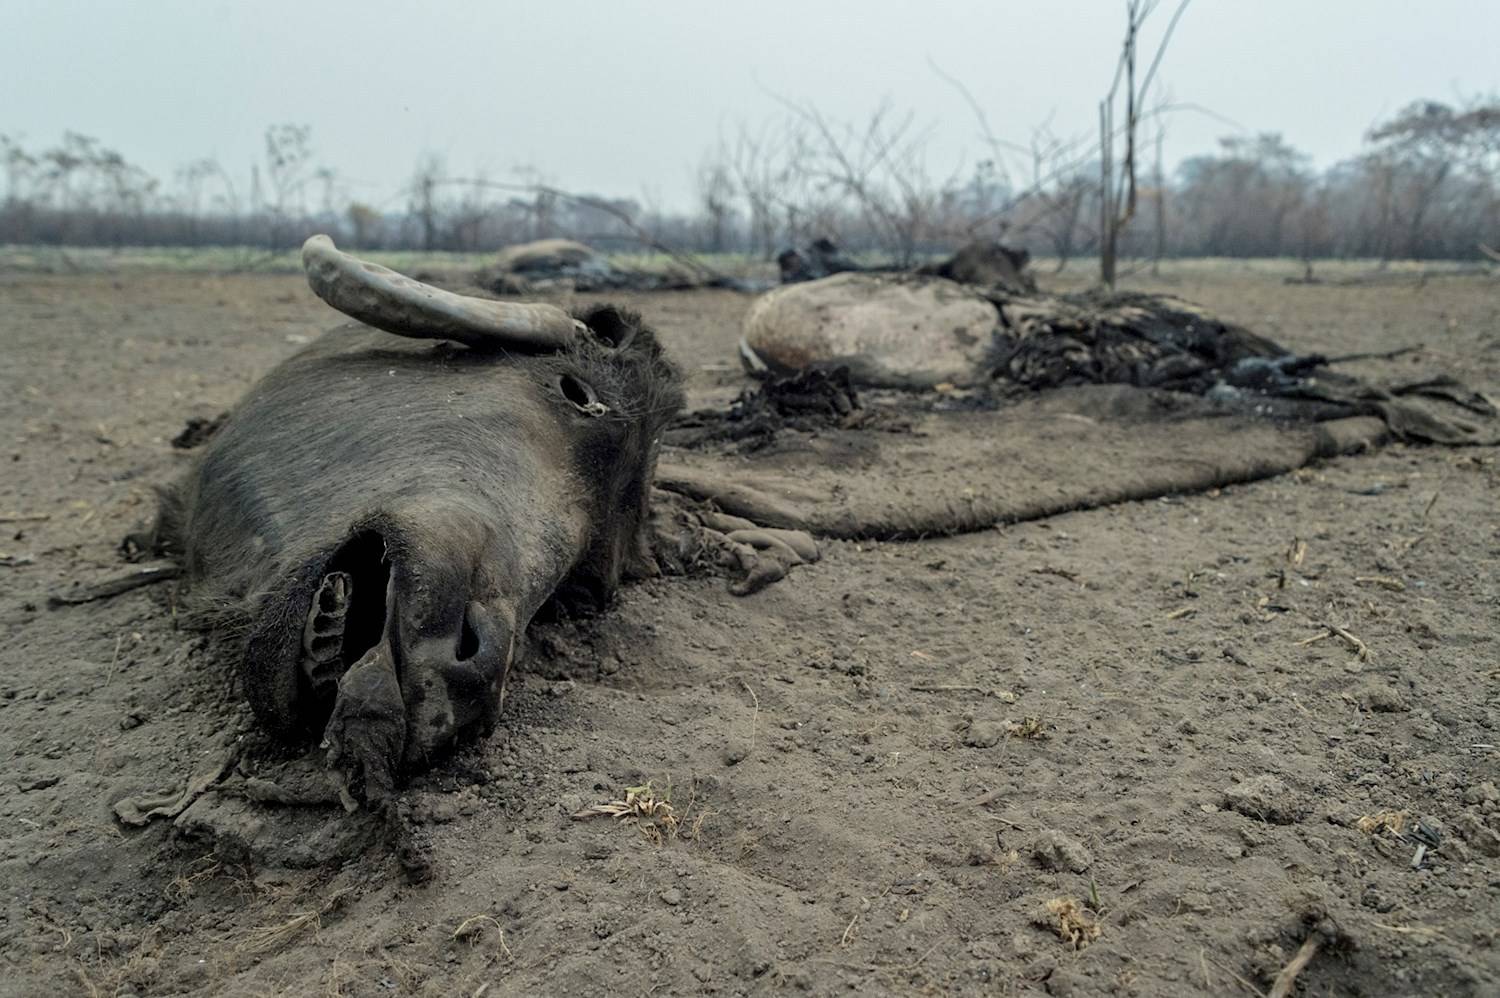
(452, 675)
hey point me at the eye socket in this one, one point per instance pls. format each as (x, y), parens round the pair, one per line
(582, 396)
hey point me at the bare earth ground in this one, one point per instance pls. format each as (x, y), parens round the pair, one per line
(875, 819)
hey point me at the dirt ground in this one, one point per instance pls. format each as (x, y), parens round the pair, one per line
(887, 765)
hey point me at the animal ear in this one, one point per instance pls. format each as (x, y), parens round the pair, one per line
(582, 395)
(614, 327)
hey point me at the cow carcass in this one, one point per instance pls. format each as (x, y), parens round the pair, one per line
(819, 258)
(985, 330)
(984, 262)
(386, 511)
(547, 266)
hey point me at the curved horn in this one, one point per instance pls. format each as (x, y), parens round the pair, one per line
(387, 300)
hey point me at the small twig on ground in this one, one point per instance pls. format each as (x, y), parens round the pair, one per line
(1379, 355)
(848, 935)
(1433, 501)
(1238, 979)
(865, 903)
(1411, 930)
(1383, 581)
(1287, 979)
(754, 714)
(110, 674)
(947, 689)
(909, 967)
(1183, 612)
(1355, 644)
(24, 517)
(138, 579)
(472, 928)
(986, 798)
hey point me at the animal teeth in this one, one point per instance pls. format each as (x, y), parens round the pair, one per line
(323, 634)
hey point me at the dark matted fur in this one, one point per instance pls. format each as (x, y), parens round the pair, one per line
(471, 465)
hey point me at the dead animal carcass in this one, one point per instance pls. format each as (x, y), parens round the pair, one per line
(383, 515)
(920, 330)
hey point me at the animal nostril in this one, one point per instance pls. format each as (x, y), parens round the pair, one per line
(468, 641)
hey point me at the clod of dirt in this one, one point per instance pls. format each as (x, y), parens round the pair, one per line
(1481, 793)
(1073, 924)
(1381, 699)
(983, 734)
(1485, 840)
(1061, 853)
(244, 831)
(1264, 798)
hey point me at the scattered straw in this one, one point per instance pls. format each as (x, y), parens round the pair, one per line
(185, 884)
(1071, 922)
(268, 938)
(1355, 644)
(472, 929)
(1384, 823)
(1287, 979)
(652, 812)
(754, 713)
(1031, 728)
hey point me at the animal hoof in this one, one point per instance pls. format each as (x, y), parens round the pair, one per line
(766, 555)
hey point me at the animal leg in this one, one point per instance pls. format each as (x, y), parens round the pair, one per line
(686, 536)
(766, 555)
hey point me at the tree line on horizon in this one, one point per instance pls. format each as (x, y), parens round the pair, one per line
(1425, 185)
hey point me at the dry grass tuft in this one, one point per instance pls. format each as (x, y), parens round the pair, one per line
(185, 884)
(269, 938)
(1391, 823)
(652, 812)
(136, 971)
(342, 979)
(1071, 921)
(1031, 728)
(473, 928)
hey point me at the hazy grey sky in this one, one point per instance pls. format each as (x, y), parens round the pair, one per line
(623, 97)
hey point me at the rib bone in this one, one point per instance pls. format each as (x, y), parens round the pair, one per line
(323, 634)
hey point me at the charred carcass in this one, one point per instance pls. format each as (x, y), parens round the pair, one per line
(385, 512)
(921, 331)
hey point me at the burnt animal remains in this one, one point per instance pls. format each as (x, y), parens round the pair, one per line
(386, 511)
